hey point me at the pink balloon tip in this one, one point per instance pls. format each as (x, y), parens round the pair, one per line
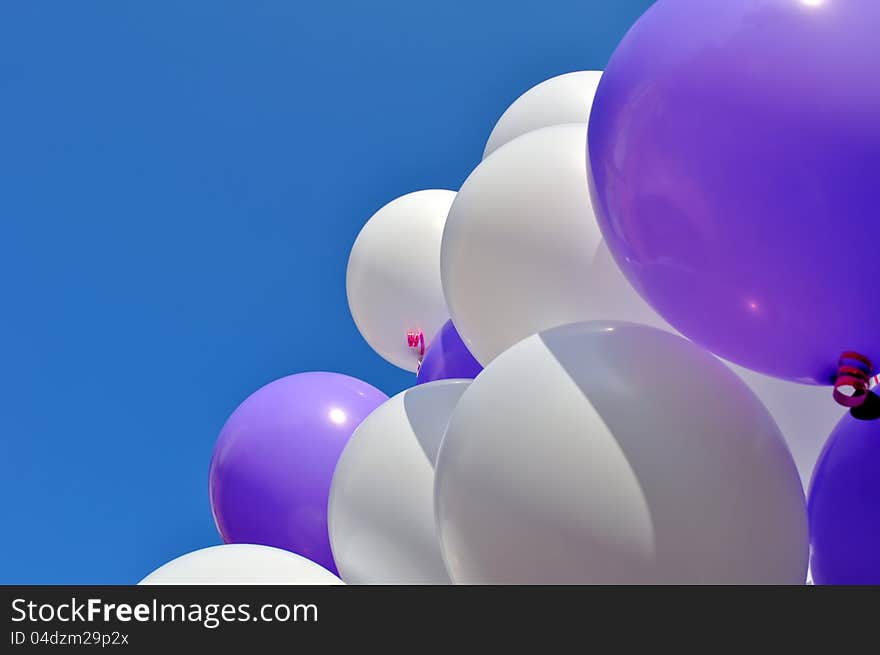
(416, 339)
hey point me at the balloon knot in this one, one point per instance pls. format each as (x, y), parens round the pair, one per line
(416, 340)
(853, 380)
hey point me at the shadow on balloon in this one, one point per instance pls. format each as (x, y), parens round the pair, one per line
(868, 410)
(422, 413)
(725, 442)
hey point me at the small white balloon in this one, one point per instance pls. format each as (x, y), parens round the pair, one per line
(806, 414)
(520, 240)
(561, 99)
(381, 512)
(241, 564)
(616, 453)
(393, 277)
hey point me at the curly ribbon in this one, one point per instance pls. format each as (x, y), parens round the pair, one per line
(853, 379)
(416, 339)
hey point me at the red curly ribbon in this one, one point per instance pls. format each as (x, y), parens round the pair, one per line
(416, 339)
(853, 379)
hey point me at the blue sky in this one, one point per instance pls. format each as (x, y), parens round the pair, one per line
(180, 185)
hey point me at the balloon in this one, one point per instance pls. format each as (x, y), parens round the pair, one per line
(393, 277)
(519, 241)
(240, 564)
(381, 513)
(273, 461)
(610, 452)
(803, 412)
(845, 506)
(448, 358)
(561, 99)
(734, 172)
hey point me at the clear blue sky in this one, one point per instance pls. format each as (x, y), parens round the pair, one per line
(180, 184)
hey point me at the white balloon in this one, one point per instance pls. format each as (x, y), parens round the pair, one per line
(806, 414)
(519, 241)
(393, 278)
(616, 453)
(241, 564)
(381, 513)
(563, 99)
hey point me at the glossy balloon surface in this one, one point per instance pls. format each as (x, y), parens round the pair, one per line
(805, 413)
(448, 358)
(562, 99)
(393, 275)
(240, 564)
(519, 242)
(381, 513)
(616, 453)
(734, 148)
(274, 459)
(844, 506)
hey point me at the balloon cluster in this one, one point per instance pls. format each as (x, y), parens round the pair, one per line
(706, 197)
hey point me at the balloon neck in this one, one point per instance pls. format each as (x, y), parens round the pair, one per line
(415, 339)
(853, 381)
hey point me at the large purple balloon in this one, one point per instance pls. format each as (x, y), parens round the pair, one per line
(447, 357)
(274, 460)
(844, 506)
(735, 150)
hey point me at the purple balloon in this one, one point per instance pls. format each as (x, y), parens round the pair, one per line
(274, 460)
(447, 357)
(734, 149)
(844, 506)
